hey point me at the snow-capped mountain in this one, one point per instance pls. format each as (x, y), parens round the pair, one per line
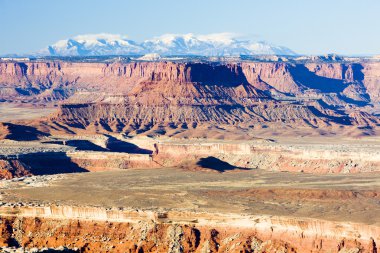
(222, 44)
(93, 45)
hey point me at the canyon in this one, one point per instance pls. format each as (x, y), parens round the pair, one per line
(176, 97)
(154, 209)
(190, 155)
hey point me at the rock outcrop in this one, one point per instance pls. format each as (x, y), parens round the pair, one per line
(138, 96)
(101, 153)
(95, 229)
(13, 168)
(318, 159)
(32, 78)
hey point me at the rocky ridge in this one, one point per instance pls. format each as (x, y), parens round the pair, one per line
(91, 153)
(173, 233)
(139, 96)
(138, 210)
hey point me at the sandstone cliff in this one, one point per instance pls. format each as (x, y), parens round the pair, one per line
(35, 77)
(142, 95)
(95, 229)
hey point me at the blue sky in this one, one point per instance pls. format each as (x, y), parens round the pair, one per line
(305, 26)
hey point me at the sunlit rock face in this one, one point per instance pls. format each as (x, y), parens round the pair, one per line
(144, 95)
(81, 227)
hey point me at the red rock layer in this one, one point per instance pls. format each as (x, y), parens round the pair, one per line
(119, 77)
(100, 236)
(13, 168)
(137, 96)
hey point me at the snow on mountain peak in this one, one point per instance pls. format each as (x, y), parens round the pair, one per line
(217, 44)
(100, 36)
(218, 38)
(150, 57)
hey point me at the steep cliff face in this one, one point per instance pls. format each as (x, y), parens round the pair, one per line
(371, 80)
(319, 160)
(35, 77)
(13, 168)
(331, 70)
(95, 229)
(266, 76)
(141, 95)
(298, 78)
(284, 77)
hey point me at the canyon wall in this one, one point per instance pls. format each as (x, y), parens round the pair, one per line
(371, 80)
(141, 96)
(11, 168)
(190, 154)
(93, 228)
(318, 159)
(284, 77)
(101, 161)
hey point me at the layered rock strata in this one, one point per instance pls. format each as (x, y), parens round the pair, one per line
(125, 97)
(188, 154)
(89, 229)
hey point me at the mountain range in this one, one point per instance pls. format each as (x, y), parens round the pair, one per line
(221, 44)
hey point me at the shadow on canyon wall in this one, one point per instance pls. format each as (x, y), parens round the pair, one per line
(303, 76)
(23, 133)
(222, 75)
(357, 71)
(112, 145)
(343, 120)
(85, 145)
(116, 145)
(216, 164)
(48, 163)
